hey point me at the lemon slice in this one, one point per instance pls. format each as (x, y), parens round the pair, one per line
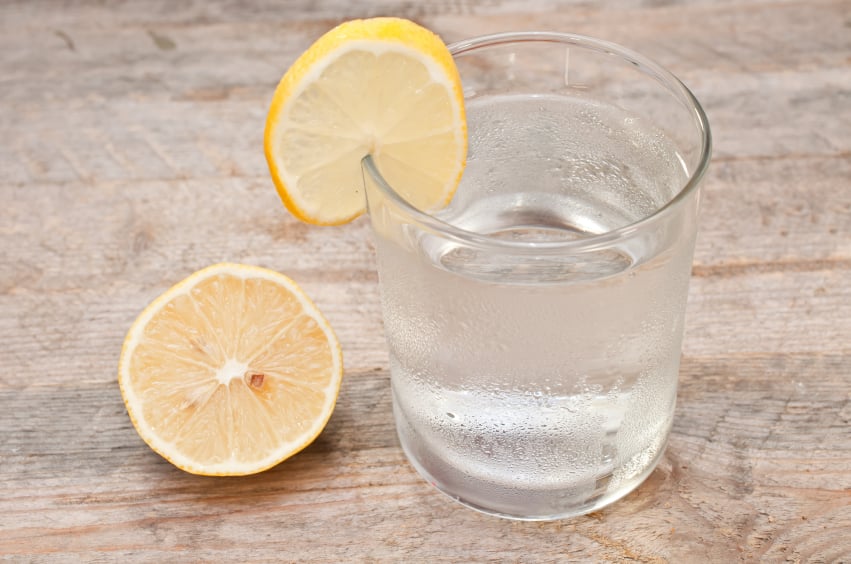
(230, 371)
(382, 86)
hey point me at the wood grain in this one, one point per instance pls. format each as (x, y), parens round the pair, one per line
(130, 156)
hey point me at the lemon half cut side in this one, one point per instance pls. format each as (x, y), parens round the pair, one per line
(231, 371)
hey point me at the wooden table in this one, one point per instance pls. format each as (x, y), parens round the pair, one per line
(130, 156)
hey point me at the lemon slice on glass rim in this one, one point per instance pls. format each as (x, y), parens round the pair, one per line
(382, 86)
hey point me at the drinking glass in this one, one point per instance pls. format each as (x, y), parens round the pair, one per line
(535, 323)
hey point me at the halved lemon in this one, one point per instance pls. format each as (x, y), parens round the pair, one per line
(231, 371)
(382, 86)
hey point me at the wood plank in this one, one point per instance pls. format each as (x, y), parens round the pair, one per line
(773, 495)
(785, 276)
(802, 312)
(170, 140)
(128, 13)
(227, 73)
(743, 222)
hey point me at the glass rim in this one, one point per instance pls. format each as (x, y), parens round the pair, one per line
(591, 242)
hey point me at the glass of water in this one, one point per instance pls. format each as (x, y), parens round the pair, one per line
(535, 323)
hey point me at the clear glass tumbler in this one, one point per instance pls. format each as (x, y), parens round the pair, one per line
(535, 324)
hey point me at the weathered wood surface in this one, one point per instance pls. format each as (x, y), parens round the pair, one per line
(130, 156)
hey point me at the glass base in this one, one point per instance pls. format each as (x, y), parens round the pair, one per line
(525, 505)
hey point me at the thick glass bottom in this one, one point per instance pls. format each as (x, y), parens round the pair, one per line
(544, 502)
